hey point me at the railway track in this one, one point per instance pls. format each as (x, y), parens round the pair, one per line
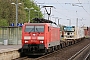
(73, 57)
(77, 56)
(67, 52)
(64, 53)
(81, 54)
(45, 56)
(87, 57)
(39, 58)
(20, 58)
(24, 58)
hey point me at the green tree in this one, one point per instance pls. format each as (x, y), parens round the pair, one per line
(33, 13)
(8, 11)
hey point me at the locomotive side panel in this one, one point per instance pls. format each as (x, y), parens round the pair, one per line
(54, 35)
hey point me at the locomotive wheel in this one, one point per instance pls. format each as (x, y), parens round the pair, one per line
(52, 49)
(58, 47)
(46, 51)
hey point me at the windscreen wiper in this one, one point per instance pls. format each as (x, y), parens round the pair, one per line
(31, 30)
(37, 31)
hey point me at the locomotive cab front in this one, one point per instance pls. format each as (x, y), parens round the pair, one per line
(33, 38)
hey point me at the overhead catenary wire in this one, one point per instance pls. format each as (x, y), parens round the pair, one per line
(61, 5)
(60, 13)
(66, 3)
(57, 11)
(65, 15)
(84, 8)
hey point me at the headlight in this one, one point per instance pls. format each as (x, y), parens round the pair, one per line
(41, 41)
(40, 38)
(27, 37)
(26, 41)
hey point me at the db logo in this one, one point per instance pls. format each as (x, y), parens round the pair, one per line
(34, 34)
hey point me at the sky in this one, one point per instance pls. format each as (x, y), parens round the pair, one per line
(67, 11)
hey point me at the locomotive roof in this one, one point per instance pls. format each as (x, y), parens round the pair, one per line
(41, 20)
(49, 24)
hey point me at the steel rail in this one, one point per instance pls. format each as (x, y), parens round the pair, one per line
(87, 56)
(20, 58)
(79, 52)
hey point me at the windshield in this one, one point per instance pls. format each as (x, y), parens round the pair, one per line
(34, 29)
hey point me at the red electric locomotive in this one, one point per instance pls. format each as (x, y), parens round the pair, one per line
(39, 38)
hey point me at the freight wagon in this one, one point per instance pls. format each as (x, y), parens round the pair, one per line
(73, 33)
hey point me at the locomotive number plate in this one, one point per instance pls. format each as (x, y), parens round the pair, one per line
(33, 37)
